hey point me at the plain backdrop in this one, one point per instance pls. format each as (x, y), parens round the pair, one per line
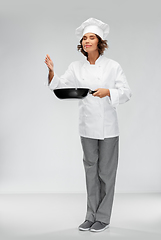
(40, 148)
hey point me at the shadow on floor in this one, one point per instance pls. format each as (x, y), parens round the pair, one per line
(111, 234)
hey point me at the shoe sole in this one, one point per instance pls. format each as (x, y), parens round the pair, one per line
(84, 229)
(94, 230)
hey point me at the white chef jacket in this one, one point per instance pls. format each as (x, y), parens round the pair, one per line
(97, 116)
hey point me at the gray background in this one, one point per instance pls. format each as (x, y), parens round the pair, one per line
(40, 148)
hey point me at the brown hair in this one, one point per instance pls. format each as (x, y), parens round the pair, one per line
(102, 45)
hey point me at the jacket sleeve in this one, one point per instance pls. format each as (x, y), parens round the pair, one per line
(65, 81)
(121, 93)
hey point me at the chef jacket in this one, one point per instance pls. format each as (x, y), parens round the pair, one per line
(97, 116)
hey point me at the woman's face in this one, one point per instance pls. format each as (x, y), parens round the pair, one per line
(90, 42)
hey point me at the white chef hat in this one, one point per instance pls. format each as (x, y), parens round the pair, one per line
(93, 25)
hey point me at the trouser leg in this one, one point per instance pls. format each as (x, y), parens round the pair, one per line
(90, 160)
(107, 167)
(100, 162)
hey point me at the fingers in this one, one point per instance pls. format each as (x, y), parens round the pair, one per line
(101, 92)
(96, 93)
(48, 60)
(47, 56)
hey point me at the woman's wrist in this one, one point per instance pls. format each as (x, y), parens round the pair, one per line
(51, 70)
(108, 92)
(51, 75)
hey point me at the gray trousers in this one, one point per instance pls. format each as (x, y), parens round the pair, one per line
(100, 163)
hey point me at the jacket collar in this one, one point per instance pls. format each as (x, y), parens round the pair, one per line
(96, 62)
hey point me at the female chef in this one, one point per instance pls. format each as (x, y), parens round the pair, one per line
(98, 125)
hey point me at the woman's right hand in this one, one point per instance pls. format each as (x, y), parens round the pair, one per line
(49, 63)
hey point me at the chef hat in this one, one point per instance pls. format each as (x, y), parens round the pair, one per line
(93, 25)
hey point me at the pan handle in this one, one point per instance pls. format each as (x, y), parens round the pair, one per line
(91, 92)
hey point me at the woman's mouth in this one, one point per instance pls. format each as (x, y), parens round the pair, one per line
(87, 46)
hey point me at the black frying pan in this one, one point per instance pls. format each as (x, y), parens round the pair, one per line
(79, 93)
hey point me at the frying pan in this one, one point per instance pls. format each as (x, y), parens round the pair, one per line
(79, 93)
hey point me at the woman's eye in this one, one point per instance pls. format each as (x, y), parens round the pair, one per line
(91, 38)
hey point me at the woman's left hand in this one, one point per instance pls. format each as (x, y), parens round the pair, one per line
(101, 92)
